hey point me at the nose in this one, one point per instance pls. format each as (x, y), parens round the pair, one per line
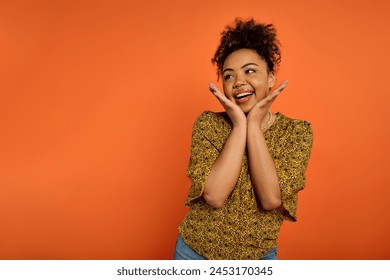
(239, 82)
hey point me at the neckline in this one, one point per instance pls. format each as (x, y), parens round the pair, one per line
(277, 117)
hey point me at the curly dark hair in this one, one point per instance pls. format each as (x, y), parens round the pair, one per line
(248, 35)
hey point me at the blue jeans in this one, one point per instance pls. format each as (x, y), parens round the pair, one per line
(184, 252)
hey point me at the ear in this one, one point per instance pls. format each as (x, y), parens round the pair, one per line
(271, 79)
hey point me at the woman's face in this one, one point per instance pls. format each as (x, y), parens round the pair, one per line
(246, 79)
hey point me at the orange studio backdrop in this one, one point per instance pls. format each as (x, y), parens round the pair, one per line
(97, 103)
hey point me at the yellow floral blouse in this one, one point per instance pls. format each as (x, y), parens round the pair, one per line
(241, 229)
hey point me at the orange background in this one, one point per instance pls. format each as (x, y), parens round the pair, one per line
(98, 99)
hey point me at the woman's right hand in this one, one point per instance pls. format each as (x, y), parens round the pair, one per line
(234, 112)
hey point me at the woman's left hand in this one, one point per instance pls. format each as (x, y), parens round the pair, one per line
(259, 110)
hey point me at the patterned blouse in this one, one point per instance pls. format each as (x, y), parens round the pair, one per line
(241, 229)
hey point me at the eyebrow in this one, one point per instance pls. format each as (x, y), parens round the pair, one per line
(245, 65)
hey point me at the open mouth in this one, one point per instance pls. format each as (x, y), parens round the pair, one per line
(243, 95)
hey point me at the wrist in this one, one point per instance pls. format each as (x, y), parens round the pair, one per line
(240, 126)
(254, 129)
(254, 117)
(240, 122)
(253, 123)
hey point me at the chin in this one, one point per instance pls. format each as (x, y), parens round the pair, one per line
(246, 109)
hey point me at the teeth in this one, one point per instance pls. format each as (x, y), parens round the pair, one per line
(244, 94)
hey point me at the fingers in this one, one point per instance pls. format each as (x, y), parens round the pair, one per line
(214, 89)
(267, 101)
(279, 88)
(221, 97)
(233, 110)
(275, 93)
(225, 102)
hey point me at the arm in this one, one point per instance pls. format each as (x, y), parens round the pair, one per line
(203, 155)
(262, 169)
(261, 165)
(226, 168)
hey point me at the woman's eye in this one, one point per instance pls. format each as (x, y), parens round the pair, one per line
(227, 77)
(250, 71)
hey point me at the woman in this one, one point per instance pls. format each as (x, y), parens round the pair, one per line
(247, 164)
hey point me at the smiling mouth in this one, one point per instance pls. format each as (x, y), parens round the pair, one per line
(243, 95)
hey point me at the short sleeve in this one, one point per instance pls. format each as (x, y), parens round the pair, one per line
(291, 168)
(203, 154)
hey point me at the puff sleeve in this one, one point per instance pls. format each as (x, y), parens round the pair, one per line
(291, 167)
(203, 154)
